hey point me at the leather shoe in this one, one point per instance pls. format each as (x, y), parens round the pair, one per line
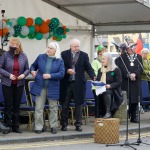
(38, 131)
(53, 130)
(6, 131)
(3, 127)
(79, 129)
(64, 128)
(16, 130)
(44, 129)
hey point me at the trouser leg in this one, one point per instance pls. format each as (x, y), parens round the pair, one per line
(107, 104)
(39, 106)
(53, 116)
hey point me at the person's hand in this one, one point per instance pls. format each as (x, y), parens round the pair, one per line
(46, 76)
(94, 78)
(71, 71)
(33, 73)
(132, 76)
(12, 77)
(21, 77)
(108, 86)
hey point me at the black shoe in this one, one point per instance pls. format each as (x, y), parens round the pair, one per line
(3, 127)
(64, 128)
(134, 120)
(79, 129)
(53, 130)
(16, 130)
(44, 129)
(38, 131)
(7, 131)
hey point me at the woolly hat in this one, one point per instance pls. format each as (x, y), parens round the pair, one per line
(99, 48)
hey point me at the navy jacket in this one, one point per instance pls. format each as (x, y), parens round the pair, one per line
(57, 72)
(6, 67)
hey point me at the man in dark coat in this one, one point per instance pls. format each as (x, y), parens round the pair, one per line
(132, 79)
(73, 85)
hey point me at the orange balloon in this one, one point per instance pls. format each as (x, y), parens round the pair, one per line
(54, 38)
(65, 32)
(48, 21)
(0, 32)
(5, 30)
(37, 28)
(29, 22)
(5, 20)
(64, 27)
(44, 28)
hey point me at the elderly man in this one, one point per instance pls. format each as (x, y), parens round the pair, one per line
(73, 84)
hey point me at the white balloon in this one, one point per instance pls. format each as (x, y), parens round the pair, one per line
(25, 30)
(13, 21)
(46, 35)
(8, 26)
(4, 24)
(11, 31)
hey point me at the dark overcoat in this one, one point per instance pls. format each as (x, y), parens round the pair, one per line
(81, 66)
(134, 89)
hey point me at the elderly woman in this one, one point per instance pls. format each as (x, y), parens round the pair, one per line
(13, 68)
(110, 100)
(47, 69)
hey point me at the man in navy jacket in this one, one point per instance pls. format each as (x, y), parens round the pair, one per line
(73, 85)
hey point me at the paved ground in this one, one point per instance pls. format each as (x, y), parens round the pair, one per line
(88, 132)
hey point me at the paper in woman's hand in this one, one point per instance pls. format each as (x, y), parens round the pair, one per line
(100, 87)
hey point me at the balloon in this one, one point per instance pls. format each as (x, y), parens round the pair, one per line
(64, 27)
(31, 29)
(8, 26)
(15, 35)
(39, 36)
(59, 30)
(29, 22)
(67, 30)
(9, 23)
(11, 30)
(64, 36)
(13, 21)
(46, 35)
(38, 21)
(44, 28)
(17, 28)
(31, 36)
(37, 28)
(2, 23)
(22, 36)
(5, 30)
(25, 30)
(21, 21)
(54, 38)
(48, 21)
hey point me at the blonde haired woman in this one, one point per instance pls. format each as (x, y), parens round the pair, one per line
(110, 100)
(13, 68)
(47, 69)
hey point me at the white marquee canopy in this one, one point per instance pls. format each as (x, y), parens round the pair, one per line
(109, 16)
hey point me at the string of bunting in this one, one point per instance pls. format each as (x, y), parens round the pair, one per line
(34, 28)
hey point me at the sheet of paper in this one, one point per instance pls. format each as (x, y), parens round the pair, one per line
(99, 90)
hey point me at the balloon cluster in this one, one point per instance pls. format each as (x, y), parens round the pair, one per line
(34, 28)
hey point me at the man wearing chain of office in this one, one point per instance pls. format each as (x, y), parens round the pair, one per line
(133, 63)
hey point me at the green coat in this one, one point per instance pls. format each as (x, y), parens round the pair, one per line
(96, 65)
(146, 66)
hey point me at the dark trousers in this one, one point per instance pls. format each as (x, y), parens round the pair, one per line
(65, 107)
(12, 96)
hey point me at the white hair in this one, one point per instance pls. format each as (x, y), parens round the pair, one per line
(111, 65)
(144, 50)
(55, 46)
(74, 40)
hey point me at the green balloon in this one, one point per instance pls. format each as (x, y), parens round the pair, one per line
(9, 23)
(31, 29)
(59, 30)
(15, 35)
(22, 36)
(67, 30)
(21, 21)
(64, 36)
(31, 36)
(38, 21)
(39, 36)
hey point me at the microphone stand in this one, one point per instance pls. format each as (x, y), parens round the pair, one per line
(139, 141)
(126, 143)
